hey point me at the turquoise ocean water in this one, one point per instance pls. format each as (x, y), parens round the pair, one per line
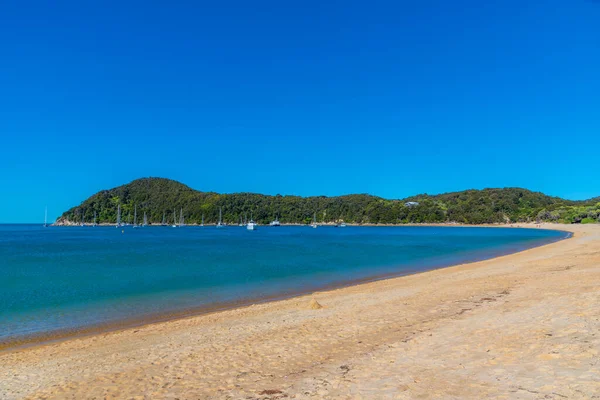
(68, 278)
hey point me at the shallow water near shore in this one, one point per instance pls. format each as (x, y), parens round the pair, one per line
(71, 278)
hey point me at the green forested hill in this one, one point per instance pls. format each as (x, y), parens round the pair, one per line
(158, 196)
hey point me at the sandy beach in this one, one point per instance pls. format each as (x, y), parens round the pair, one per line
(521, 326)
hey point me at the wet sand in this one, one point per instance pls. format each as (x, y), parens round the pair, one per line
(525, 325)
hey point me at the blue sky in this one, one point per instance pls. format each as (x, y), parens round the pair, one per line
(391, 98)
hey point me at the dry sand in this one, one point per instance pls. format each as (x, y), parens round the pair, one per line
(522, 326)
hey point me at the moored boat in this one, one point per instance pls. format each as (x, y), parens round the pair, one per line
(118, 216)
(251, 226)
(275, 222)
(220, 223)
(135, 225)
(314, 223)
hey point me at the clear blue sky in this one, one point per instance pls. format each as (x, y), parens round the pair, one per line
(391, 98)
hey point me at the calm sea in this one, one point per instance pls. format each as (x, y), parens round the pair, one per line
(68, 278)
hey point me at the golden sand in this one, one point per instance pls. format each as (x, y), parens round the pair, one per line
(315, 305)
(522, 326)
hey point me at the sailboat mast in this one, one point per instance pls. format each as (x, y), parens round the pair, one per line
(181, 217)
(135, 215)
(119, 215)
(94, 217)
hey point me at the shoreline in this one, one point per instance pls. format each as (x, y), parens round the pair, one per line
(326, 224)
(43, 338)
(522, 325)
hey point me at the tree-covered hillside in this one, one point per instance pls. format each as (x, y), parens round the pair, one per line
(157, 197)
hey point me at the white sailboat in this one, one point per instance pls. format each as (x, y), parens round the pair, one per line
(202, 223)
(145, 219)
(314, 223)
(275, 222)
(181, 220)
(251, 225)
(220, 223)
(135, 225)
(118, 216)
(46, 217)
(94, 224)
(164, 218)
(174, 219)
(241, 223)
(82, 216)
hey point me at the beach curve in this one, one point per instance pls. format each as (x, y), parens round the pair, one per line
(521, 325)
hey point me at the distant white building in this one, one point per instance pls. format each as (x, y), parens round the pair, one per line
(411, 203)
